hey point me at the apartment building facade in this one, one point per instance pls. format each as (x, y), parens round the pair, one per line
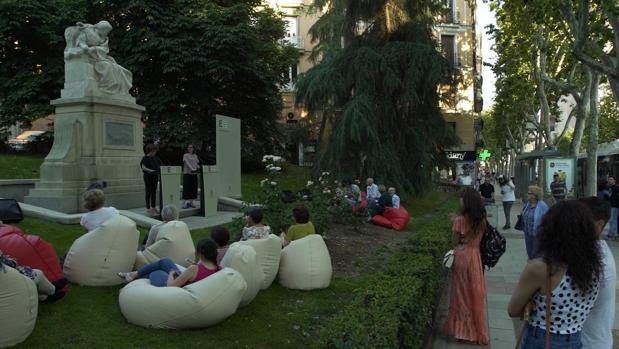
(461, 43)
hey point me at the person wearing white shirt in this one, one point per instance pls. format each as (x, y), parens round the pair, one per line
(97, 214)
(507, 191)
(372, 193)
(597, 331)
(395, 199)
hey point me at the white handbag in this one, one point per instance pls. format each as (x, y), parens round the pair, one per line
(448, 259)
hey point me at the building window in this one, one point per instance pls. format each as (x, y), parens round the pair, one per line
(291, 77)
(292, 31)
(447, 16)
(448, 46)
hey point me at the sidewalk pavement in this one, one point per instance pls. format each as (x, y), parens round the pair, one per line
(500, 282)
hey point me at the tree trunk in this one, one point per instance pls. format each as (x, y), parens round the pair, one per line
(539, 73)
(614, 87)
(583, 109)
(592, 147)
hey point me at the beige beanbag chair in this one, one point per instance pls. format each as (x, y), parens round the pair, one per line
(306, 264)
(98, 256)
(201, 304)
(268, 252)
(19, 304)
(243, 259)
(173, 241)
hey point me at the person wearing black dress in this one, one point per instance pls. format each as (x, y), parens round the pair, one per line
(150, 165)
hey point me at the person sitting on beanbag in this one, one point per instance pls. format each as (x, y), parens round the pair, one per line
(94, 200)
(395, 199)
(254, 229)
(383, 201)
(165, 272)
(221, 236)
(168, 213)
(301, 229)
(46, 290)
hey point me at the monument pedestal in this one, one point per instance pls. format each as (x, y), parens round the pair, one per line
(95, 138)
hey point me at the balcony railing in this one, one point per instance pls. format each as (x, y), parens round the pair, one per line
(449, 16)
(297, 42)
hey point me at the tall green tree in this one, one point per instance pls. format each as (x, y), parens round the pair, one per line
(31, 63)
(376, 90)
(190, 60)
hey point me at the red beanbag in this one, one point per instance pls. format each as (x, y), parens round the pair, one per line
(30, 250)
(392, 218)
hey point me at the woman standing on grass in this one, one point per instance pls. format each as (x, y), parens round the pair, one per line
(466, 320)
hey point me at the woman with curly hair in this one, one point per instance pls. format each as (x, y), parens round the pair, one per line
(570, 263)
(466, 320)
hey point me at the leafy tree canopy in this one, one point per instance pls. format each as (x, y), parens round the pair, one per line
(190, 60)
(377, 84)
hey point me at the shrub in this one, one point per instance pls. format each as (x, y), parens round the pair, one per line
(319, 196)
(393, 308)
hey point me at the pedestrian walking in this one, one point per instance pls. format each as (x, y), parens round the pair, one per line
(614, 207)
(562, 285)
(509, 196)
(532, 214)
(466, 319)
(486, 189)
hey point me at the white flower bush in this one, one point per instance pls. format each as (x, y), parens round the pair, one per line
(273, 158)
(309, 184)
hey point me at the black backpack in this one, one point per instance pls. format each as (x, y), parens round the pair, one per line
(492, 247)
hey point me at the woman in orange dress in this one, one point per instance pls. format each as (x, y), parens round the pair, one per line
(467, 308)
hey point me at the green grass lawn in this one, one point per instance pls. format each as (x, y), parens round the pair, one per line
(90, 316)
(19, 166)
(27, 166)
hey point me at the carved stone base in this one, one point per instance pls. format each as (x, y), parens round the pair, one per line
(94, 139)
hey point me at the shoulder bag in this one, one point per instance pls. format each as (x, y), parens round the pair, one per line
(527, 314)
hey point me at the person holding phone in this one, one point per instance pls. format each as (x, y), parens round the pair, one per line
(165, 272)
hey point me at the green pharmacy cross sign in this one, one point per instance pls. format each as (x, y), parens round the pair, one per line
(485, 155)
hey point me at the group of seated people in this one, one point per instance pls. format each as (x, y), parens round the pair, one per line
(378, 196)
(165, 272)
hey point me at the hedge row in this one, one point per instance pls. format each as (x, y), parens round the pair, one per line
(393, 308)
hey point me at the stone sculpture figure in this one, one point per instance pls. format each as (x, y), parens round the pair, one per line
(89, 43)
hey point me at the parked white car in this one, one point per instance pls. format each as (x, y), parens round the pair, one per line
(20, 142)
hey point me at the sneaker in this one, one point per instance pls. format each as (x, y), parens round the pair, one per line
(506, 226)
(128, 276)
(186, 205)
(192, 205)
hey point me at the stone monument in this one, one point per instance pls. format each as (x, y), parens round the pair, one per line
(98, 130)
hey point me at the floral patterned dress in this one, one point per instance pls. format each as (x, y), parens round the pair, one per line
(467, 307)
